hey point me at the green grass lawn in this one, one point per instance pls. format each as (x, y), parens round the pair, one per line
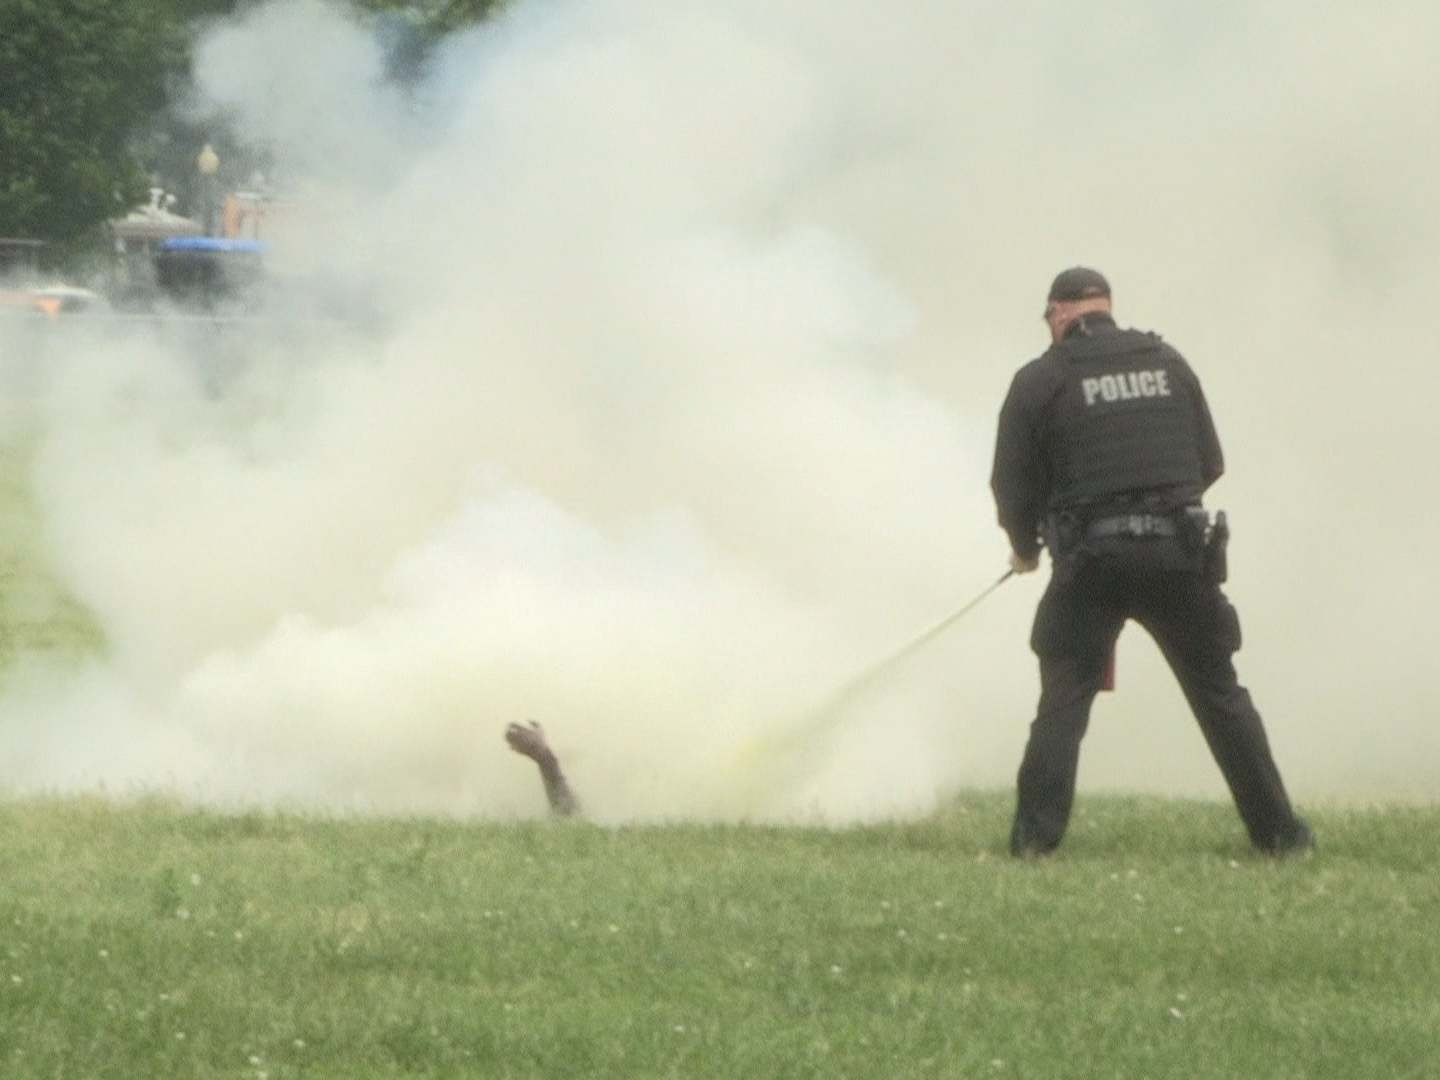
(149, 940)
(144, 939)
(36, 613)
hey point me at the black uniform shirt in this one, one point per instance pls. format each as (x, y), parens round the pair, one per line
(1104, 415)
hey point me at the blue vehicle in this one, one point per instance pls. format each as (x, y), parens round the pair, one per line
(210, 270)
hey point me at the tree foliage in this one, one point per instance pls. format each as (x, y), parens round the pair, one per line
(84, 90)
(78, 78)
(439, 17)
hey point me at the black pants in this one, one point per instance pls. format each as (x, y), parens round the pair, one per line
(1197, 629)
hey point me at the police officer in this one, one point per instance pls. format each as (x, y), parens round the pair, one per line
(1105, 446)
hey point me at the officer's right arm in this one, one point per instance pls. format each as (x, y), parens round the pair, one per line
(1212, 459)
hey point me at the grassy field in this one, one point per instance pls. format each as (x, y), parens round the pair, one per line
(148, 940)
(35, 612)
(145, 939)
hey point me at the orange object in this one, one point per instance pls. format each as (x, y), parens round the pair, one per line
(25, 299)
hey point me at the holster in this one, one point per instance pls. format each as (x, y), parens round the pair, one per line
(1216, 565)
(1194, 522)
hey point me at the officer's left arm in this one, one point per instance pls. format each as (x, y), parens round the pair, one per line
(1018, 478)
(1022, 564)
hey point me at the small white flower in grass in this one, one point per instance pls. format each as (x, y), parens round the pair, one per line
(1179, 929)
(836, 969)
(179, 1036)
(104, 954)
(939, 903)
(1139, 899)
(942, 936)
(239, 935)
(16, 979)
(299, 1044)
(194, 879)
(1234, 865)
(1182, 997)
(679, 1029)
(614, 929)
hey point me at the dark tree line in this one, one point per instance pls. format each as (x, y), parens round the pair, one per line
(85, 87)
(78, 78)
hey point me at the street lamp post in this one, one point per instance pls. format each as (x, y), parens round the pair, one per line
(207, 164)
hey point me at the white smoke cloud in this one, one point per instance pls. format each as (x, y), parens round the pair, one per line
(699, 319)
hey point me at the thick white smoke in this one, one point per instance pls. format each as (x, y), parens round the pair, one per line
(698, 319)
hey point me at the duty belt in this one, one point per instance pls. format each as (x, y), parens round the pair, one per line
(1131, 525)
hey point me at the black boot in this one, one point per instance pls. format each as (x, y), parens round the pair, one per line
(1298, 839)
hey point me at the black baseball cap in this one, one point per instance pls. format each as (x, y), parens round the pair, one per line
(1078, 283)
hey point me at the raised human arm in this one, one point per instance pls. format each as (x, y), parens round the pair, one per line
(529, 740)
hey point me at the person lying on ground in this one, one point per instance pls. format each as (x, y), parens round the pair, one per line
(529, 740)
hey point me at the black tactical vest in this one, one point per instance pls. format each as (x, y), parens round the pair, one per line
(1124, 420)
